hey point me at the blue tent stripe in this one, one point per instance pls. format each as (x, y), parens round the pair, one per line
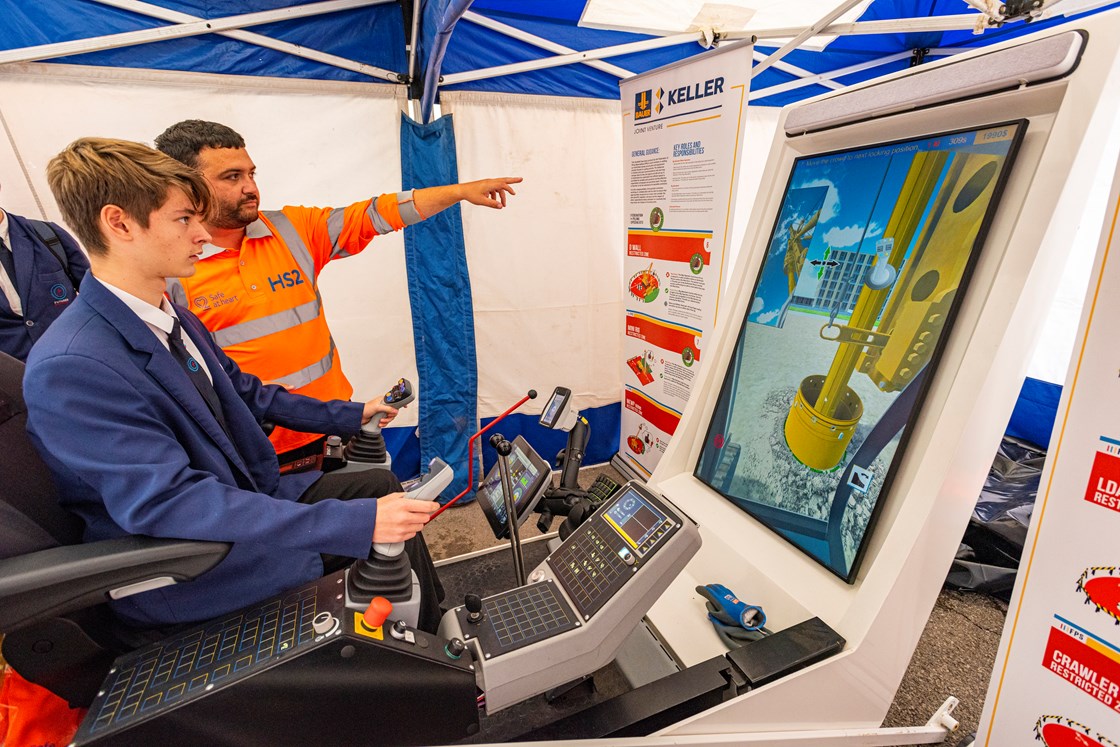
(440, 297)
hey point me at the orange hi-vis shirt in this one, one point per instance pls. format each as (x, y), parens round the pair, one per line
(262, 304)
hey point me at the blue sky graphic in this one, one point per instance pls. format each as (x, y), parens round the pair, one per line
(856, 192)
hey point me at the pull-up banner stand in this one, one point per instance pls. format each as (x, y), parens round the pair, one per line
(682, 133)
(1057, 675)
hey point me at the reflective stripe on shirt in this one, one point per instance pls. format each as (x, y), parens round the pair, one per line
(268, 325)
(305, 376)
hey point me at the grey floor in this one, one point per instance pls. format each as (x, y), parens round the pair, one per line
(954, 656)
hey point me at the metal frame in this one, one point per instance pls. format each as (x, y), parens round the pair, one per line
(802, 36)
(540, 42)
(413, 72)
(188, 25)
(824, 27)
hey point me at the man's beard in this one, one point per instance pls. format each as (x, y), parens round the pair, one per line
(234, 217)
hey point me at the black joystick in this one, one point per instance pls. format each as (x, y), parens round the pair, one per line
(380, 575)
(473, 603)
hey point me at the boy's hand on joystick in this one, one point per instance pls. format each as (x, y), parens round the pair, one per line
(400, 518)
(378, 406)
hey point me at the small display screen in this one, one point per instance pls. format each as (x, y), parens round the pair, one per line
(552, 411)
(869, 258)
(529, 475)
(634, 518)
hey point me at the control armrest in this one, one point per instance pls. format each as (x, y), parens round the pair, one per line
(59, 580)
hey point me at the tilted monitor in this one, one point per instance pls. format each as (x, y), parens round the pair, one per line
(530, 476)
(867, 262)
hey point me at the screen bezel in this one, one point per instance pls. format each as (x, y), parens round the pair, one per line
(528, 500)
(932, 368)
(565, 395)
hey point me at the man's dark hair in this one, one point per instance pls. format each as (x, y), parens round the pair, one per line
(183, 141)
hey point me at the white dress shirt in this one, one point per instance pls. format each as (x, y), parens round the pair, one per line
(161, 320)
(7, 284)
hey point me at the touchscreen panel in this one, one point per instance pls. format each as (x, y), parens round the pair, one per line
(530, 475)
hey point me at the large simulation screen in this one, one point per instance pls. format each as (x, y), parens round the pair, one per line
(867, 261)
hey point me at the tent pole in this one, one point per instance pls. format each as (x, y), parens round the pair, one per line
(570, 59)
(825, 78)
(796, 41)
(822, 28)
(894, 26)
(785, 67)
(413, 73)
(296, 50)
(541, 42)
(178, 31)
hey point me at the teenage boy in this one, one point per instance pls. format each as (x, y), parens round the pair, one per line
(150, 429)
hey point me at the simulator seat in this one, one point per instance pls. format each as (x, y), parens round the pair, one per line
(59, 633)
(57, 629)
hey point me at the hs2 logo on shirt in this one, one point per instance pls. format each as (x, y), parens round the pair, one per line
(289, 279)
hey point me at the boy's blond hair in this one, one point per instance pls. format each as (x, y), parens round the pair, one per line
(94, 172)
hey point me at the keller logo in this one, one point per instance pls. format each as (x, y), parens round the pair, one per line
(58, 291)
(201, 302)
(1104, 480)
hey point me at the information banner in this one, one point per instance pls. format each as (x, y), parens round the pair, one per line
(682, 135)
(1056, 680)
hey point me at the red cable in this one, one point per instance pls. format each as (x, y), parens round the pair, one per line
(470, 454)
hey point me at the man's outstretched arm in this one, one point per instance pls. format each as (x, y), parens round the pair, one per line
(485, 192)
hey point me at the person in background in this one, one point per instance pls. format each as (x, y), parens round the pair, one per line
(256, 285)
(41, 267)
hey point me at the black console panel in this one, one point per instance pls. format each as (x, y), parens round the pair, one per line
(519, 617)
(298, 669)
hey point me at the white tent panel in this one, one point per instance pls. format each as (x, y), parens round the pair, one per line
(547, 271)
(314, 143)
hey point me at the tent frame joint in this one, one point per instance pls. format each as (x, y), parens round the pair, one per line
(918, 56)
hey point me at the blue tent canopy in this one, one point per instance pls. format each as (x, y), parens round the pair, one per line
(373, 36)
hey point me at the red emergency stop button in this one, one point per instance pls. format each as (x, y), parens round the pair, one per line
(377, 612)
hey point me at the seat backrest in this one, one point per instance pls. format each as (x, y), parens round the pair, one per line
(30, 517)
